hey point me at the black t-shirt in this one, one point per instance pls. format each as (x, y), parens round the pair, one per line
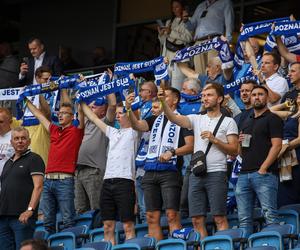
(241, 117)
(262, 129)
(17, 184)
(182, 133)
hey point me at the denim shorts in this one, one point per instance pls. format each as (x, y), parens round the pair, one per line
(211, 188)
(117, 199)
(162, 188)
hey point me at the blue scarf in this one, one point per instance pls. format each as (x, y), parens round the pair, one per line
(216, 43)
(54, 84)
(286, 28)
(91, 93)
(235, 85)
(156, 65)
(292, 43)
(190, 98)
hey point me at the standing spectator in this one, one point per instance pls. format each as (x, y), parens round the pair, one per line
(211, 18)
(39, 57)
(21, 187)
(100, 57)
(294, 76)
(148, 91)
(118, 192)
(174, 36)
(9, 67)
(213, 186)
(92, 158)
(65, 141)
(289, 188)
(258, 174)
(6, 149)
(162, 181)
(68, 62)
(276, 85)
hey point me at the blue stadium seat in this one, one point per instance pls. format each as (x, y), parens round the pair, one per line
(289, 216)
(41, 234)
(261, 248)
(237, 236)
(84, 219)
(65, 240)
(96, 235)
(141, 230)
(102, 245)
(223, 242)
(193, 240)
(143, 242)
(39, 225)
(84, 248)
(127, 246)
(171, 244)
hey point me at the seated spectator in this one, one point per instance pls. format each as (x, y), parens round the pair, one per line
(118, 191)
(21, 188)
(65, 140)
(214, 72)
(162, 181)
(174, 36)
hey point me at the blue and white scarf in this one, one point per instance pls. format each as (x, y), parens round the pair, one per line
(161, 141)
(292, 43)
(156, 65)
(235, 85)
(10, 94)
(216, 43)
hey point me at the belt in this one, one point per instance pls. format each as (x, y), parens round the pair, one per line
(58, 176)
(211, 36)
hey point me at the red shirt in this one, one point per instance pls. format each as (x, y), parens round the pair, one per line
(297, 58)
(64, 147)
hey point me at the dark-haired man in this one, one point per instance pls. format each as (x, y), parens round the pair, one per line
(162, 181)
(65, 141)
(294, 76)
(262, 131)
(39, 57)
(212, 186)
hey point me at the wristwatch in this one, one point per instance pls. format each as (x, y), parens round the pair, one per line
(172, 150)
(30, 209)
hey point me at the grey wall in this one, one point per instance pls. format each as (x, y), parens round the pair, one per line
(81, 25)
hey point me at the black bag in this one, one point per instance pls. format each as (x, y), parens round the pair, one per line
(173, 46)
(198, 160)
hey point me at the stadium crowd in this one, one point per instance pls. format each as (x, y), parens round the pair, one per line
(171, 146)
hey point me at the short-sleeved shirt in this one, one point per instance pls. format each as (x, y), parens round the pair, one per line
(17, 184)
(121, 153)
(277, 84)
(215, 159)
(262, 128)
(298, 58)
(64, 147)
(93, 149)
(182, 133)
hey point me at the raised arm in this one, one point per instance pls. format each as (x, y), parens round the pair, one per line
(188, 72)
(80, 117)
(38, 114)
(44, 107)
(64, 96)
(284, 52)
(180, 120)
(111, 109)
(35, 197)
(279, 110)
(92, 117)
(139, 125)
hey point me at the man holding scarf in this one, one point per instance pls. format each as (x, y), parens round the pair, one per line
(162, 181)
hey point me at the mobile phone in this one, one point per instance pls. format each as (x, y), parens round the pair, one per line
(130, 89)
(160, 23)
(25, 60)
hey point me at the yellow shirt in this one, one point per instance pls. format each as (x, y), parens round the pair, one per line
(40, 141)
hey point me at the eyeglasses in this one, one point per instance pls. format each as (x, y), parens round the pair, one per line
(203, 14)
(64, 113)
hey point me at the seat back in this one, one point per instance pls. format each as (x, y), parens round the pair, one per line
(67, 240)
(102, 245)
(223, 242)
(171, 244)
(268, 238)
(41, 234)
(261, 248)
(127, 246)
(143, 242)
(97, 235)
(290, 216)
(141, 230)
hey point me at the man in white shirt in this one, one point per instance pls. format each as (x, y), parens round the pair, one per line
(39, 57)
(213, 185)
(277, 86)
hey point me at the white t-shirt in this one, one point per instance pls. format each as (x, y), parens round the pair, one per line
(216, 159)
(277, 84)
(6, 149)
(121, 153)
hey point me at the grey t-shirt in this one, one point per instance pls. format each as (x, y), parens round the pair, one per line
(93, 149)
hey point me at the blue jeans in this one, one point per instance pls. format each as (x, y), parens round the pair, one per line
(58, 195)
(140, 198)
(13, 232)
(265, 187)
